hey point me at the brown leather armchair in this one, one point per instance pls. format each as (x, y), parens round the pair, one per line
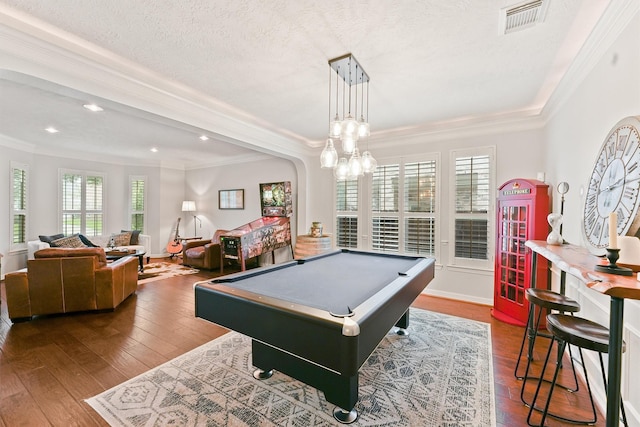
(203, 253)
(61, 280)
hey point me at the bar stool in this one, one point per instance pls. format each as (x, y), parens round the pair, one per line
(581, 333)
(549, 300)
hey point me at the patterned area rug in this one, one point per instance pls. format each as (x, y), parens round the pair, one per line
(439, 375)
(162, 270)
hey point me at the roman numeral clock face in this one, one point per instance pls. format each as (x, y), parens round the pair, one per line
(614, 186)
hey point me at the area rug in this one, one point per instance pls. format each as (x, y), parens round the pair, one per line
(441, 374)
(163, 270)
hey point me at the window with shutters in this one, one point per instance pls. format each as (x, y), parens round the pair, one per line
(385, 209)
(137, 186)
(473, 183)
(403, 207)
(347, 214)
(18, 194)
(420, 208)
(82, 199)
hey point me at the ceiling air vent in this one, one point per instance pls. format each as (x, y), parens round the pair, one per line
(523, 15)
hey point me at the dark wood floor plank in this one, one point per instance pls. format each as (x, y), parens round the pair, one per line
(66, 371)
(54, 400)
(19, 409)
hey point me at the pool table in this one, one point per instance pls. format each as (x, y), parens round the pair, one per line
(318, 319)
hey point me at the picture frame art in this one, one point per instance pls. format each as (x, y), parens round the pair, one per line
(231, 199)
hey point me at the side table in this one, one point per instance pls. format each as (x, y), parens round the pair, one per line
(307, 245)
(116, 254)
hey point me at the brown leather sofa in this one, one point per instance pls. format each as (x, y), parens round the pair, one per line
(203, 253)
(61, 280)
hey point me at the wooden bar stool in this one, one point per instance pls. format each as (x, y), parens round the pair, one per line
(581, 333)
(544, 299)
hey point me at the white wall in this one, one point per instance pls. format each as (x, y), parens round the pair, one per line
(609, 92)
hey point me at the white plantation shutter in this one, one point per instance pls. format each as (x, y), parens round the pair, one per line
(137, 203)
(347, 214)
(385, 209)
(473, 184)
(420, 207)
(82, 203)
(19, 186)
(93, 206)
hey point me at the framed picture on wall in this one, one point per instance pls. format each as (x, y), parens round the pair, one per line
(231, 199)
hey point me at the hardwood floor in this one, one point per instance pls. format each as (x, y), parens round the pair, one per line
(48, 366)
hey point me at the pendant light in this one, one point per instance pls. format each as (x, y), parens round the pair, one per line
(329, 156)
(347, 125)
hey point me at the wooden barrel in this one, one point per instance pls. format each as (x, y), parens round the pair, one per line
(308, 246)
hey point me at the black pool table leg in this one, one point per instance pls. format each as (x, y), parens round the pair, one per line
(341, 390)
(260, 374)
(403, 324)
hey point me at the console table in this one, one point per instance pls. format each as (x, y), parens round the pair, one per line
(578, 262)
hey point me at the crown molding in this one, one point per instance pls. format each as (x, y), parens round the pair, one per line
(613, 22)
(16, 144)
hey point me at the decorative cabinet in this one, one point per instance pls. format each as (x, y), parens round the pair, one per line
(522, 208)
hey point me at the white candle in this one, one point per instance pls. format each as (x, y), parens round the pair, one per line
(613, 230)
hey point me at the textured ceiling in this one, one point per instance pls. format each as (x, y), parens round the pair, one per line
(430, 61)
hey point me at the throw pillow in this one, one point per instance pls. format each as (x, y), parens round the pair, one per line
(134, 236)
(87, 242)
(122, 239)
(49, 239)
(68, 242)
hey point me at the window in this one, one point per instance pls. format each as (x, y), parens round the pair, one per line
(473, 185)
(347, 214)
(384, 208)
(137, 202)
(82, 202)
(19, 186)
(403, 207)
(420, 208)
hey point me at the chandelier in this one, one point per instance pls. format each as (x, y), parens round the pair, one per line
(345, 124)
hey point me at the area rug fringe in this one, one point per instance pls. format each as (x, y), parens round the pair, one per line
(439, 375)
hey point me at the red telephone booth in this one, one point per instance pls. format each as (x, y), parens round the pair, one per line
(522, 208)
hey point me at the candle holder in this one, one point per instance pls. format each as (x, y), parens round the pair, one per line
(612, 267)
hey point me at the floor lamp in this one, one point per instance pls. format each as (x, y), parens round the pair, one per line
(190, 206)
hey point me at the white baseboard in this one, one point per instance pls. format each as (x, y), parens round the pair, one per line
(459, 297)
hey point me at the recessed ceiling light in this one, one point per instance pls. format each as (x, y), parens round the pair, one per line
(51, 129)
(154, 149)
(204, 138)
(93, 107)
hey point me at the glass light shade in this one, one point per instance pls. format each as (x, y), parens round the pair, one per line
(369, 164)
(349, 128)
(363, 128)
(188, 206)
(342, 169)
(355, 165)
(329, 156)
(348, 144)
(335, 127)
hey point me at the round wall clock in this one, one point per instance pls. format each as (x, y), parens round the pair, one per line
(614, 186)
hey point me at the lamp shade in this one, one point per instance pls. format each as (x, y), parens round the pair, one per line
(188, 206)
